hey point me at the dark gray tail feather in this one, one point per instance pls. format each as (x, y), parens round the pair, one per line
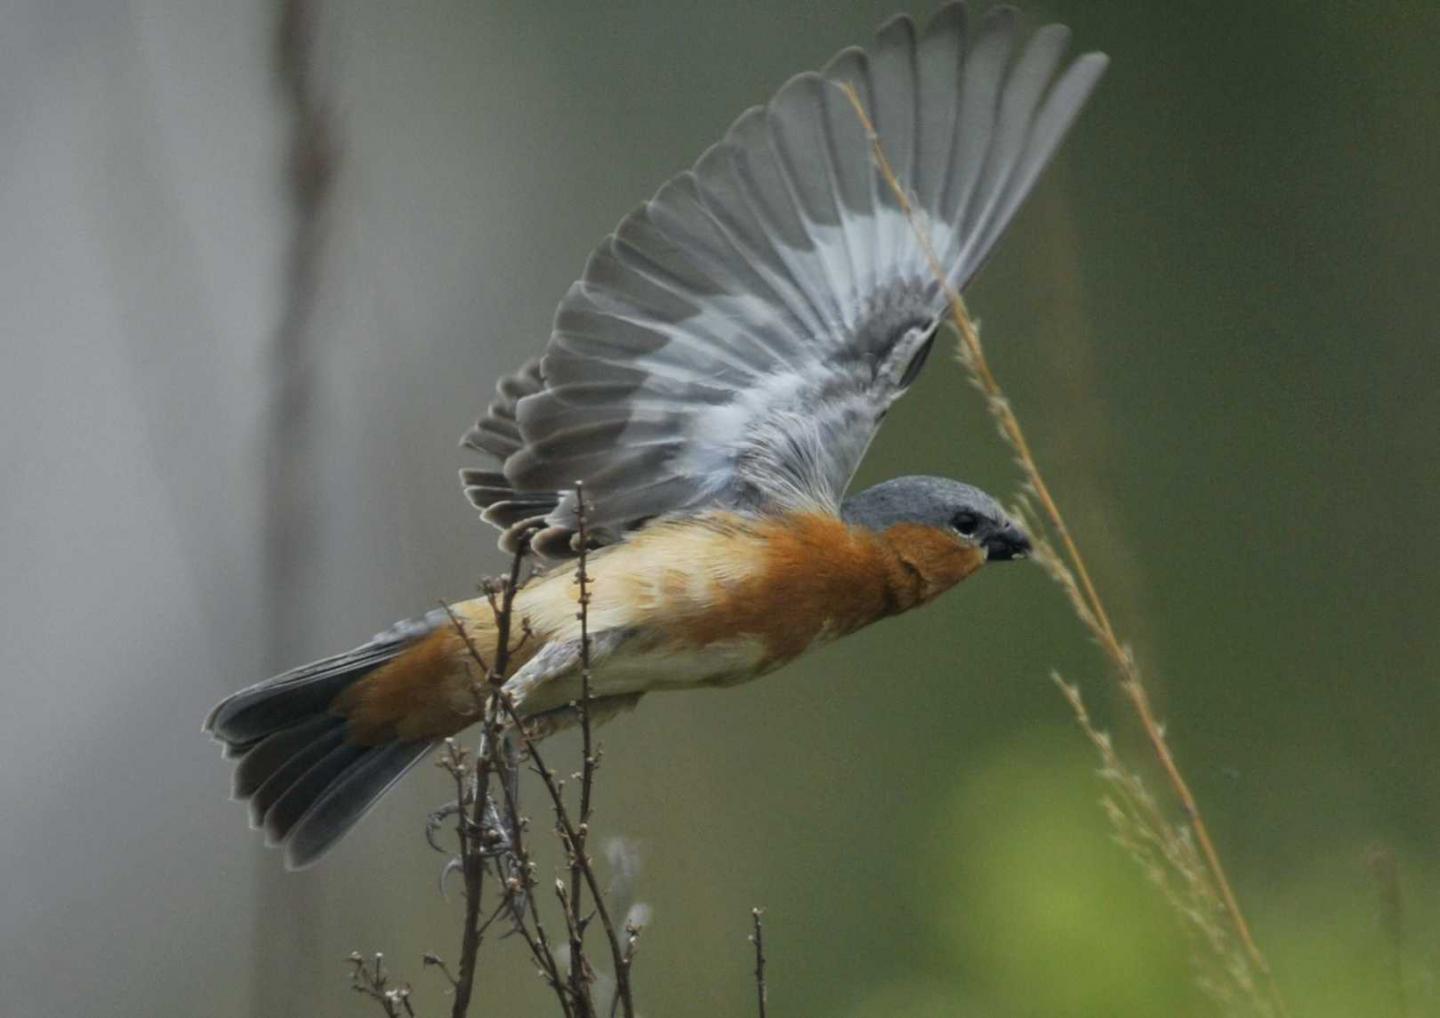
(305, 784)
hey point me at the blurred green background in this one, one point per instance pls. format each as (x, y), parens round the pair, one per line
(1216, 317)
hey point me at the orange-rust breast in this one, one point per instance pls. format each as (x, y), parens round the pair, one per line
(818, 578)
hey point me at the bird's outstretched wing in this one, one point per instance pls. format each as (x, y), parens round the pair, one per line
(737, 340)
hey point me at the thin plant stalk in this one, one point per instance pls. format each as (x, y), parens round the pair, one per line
(501, 717)
(472, 859)
(519, 889)
(757, 937)
(1090, 606)
(374, 982)
(577, 921)
(568, 837)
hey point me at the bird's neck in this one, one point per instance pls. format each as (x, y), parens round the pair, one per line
(925, 562)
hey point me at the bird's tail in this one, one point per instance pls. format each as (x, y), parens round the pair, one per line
(306, 784)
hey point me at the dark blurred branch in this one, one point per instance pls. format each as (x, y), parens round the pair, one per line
(310, 166)
(307, 177)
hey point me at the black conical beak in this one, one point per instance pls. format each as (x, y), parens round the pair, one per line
(1007, 544)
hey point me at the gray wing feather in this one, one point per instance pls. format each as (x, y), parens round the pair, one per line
(498, 434)
(737, 340)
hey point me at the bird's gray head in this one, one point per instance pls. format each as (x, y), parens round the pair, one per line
(967, 512)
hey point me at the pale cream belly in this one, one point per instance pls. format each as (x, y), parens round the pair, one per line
(645, 667)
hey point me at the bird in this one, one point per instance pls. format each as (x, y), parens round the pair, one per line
(713, 379)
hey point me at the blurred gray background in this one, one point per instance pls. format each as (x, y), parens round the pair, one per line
(1217, 317)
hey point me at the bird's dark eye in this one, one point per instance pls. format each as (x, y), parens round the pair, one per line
(966, 523)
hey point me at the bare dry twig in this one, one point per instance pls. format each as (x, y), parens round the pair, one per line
(1073, 575)
(473, 834)
(491, 832)
(575, 902)
(374, 982)
(569, 838)
(758, 939)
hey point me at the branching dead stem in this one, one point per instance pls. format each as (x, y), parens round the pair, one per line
(373, 981)
(491, 831)
(757, 937)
